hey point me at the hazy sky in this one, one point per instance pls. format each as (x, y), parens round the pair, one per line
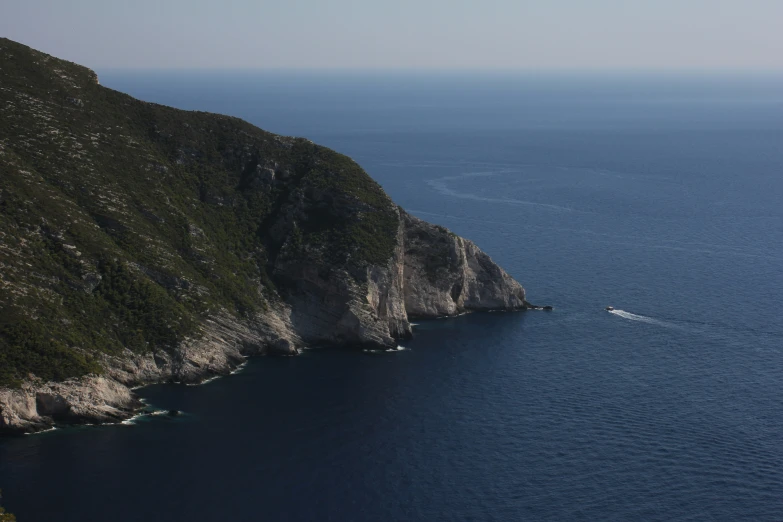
(447, 34)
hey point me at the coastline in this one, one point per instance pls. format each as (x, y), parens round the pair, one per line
(105, 410)
(186, 306)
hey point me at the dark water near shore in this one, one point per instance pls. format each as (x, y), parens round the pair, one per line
(658, 195)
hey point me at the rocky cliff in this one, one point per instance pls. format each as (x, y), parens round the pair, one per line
(445, 274)
(141, 244)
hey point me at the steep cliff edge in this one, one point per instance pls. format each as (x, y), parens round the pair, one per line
(142, 244)
(448, 275)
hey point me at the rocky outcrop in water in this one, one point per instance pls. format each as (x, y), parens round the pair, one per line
(142, 244)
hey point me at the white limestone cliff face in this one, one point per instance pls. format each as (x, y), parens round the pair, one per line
(347, 305)
(448, 275)
(432, 273)
(38, 406)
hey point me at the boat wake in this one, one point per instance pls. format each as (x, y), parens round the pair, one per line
(441, 185)
(641, 318)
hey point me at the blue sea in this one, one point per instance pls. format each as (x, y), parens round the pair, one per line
(658, 194)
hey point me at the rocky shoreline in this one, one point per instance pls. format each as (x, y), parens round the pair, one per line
(464, 280)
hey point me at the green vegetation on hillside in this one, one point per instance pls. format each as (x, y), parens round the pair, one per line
(5, 517)
(123, 223)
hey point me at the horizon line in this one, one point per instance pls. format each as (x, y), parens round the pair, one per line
(448, 70)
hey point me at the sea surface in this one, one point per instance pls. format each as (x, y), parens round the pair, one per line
(658, 194)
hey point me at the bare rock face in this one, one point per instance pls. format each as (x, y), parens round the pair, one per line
(331, 307)
(355, 306)
(447, 275)
(432, 273)
(18, 412)
(386, 290)
(91, 399)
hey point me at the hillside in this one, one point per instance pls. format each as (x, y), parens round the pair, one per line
(140, 243)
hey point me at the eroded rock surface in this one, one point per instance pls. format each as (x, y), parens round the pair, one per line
(449, 275)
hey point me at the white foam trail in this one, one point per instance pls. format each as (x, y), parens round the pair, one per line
(641, 318)
(440, 186)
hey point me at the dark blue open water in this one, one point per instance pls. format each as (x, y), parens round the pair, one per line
(660, 195)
